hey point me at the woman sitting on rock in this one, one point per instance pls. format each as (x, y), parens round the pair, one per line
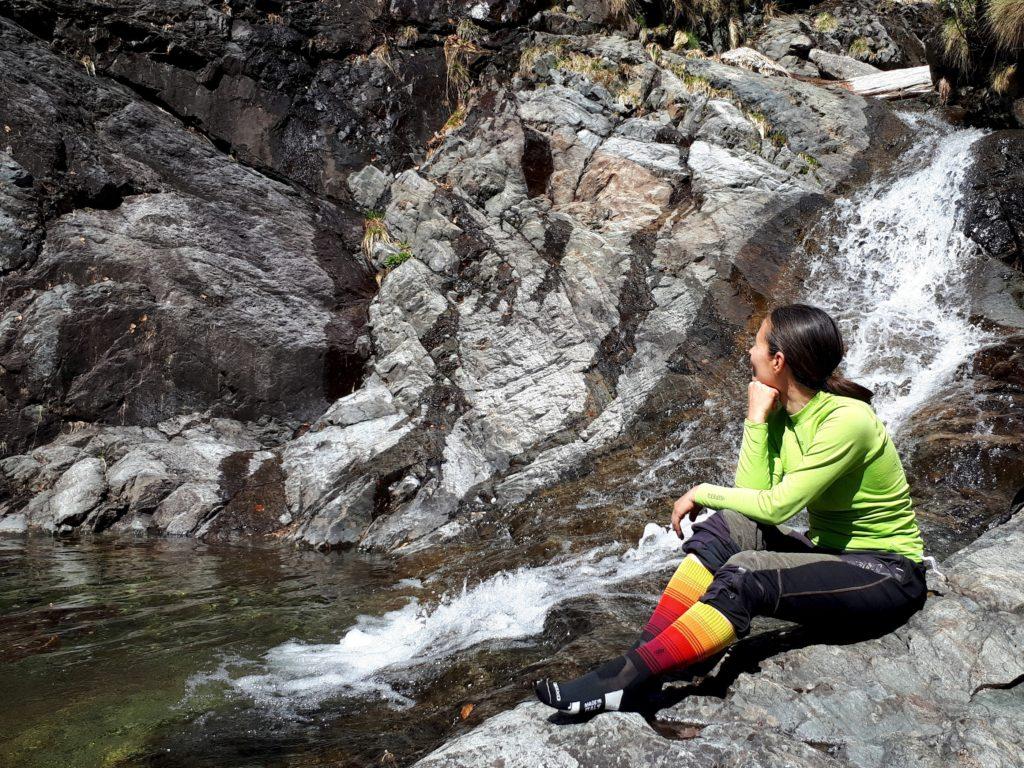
(810, 439)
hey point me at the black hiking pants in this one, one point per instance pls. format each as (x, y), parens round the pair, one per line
(774, 570)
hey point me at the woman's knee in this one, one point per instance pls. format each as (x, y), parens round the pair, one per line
(741, 594)
(720, 536)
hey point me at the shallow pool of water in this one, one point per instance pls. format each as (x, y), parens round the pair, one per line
(165, 652)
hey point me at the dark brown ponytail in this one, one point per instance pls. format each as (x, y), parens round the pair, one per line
(813, 346)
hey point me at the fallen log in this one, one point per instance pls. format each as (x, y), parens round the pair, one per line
(894, 84)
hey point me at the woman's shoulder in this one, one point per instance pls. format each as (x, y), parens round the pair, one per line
(855, 413)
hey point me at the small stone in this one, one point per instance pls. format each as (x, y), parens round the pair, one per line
(368, 186)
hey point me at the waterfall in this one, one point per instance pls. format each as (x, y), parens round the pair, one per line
(892, 272)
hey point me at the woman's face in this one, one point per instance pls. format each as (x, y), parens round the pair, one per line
(764, 367)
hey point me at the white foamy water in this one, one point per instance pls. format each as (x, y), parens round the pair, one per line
(506, 606)
(893, 273)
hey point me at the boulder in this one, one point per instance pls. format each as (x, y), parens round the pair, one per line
(840, 67)
(184, 509)
(76, 493)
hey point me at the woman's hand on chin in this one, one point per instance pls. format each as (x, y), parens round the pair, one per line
(761, 400)
(685, 506)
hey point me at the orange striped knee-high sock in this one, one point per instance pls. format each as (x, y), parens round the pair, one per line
(688, 583)
(699, 633)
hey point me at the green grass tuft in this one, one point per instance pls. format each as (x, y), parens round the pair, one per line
(860, 48)
(396, 259)
(825, 22)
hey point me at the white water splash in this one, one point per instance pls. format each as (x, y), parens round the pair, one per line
(506, 606)
(893, 274)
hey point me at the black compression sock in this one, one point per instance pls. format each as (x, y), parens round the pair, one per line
(599, 690)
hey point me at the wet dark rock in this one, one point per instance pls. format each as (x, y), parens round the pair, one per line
(307, 91)
(994, 210)
(964, 449)
(154, 239)
(253, 483)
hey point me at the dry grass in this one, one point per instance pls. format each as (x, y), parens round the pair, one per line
(1006, 20)
(591, 67)
(696, 84)
(764, 128)
(455, 121)
(375, 232)
(622, 9)
(954, 44)
(407, 37)
(1004, 79)
(695, 10)
(382, 53)
(860, 48)
(458, 51)
(735, 33)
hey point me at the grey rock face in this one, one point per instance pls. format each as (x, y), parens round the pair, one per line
(560, 247)
(838, 66)
(170, 278)
(540, 347)
(368, 185)
(785, 37)
(944, 689)
(20, 230)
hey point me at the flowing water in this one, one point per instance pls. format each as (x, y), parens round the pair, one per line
(893, 273)
(175, 653)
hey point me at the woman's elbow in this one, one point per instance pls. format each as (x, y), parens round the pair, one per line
(780, 513)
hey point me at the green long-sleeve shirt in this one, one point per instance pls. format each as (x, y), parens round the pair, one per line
(834, 457)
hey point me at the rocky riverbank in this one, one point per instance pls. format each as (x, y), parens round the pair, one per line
(944, 689)
(471, 285)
